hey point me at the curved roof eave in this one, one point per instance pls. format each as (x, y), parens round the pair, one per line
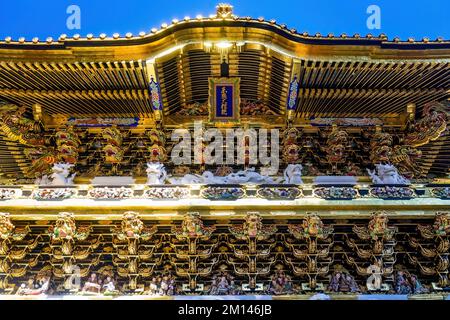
(238, 29)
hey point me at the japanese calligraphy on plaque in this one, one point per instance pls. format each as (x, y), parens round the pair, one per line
(224, 99)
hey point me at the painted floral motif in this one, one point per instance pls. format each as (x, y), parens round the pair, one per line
(391, 192)
(110, 193)
(377, 229)
(167, 193)
(293, 94)
(253, 228)
(312, 226)
(336, 193)
(222, 193)
(192, 227)
(279, 193)
(65, 228)
(132, 227)
(443, 193)
(155, 95)
(53, 194)
(7, 194)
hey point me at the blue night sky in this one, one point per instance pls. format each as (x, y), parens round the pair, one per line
(413, 18)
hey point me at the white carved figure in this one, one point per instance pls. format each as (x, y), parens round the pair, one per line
(248, 176)
(156, 174)
(206, 178)
(293, 174)
(60, 177)
(387, 174)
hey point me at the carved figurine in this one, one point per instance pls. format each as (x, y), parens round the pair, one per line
(192, 227)
(253, 228)
(61, 175)
(336, 148)
(387, 174)
(293, 174)
(290, 146)
(156, 174)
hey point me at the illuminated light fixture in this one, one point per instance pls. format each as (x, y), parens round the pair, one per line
(142, 34)
(103, 36)
(261, 19)
(49, 40)
(212, 16)
(164, 25)
(222, 213)
(8, 39)
(187, 18)
(116, 36)
(89, 36)
(240, 43)
(224, 45)
(62, 37)
(35, 40)
(282, 213)
(154, 30)
(199, 17)
(164, 53)
(169, 214)
(129, 35)
(207, 44)
(175, 21)
(76, 36)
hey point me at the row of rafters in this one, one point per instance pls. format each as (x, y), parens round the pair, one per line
(74, 76)
(362, 102)
(83, 102)
(371, 74)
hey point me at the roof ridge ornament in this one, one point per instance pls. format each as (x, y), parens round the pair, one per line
(224, 10)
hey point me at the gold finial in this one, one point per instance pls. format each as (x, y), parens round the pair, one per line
(224, 10)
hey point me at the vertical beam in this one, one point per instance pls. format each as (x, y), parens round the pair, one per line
(155, 91)
(294, 86)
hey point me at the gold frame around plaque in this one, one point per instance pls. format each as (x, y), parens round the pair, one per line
(236, 107)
